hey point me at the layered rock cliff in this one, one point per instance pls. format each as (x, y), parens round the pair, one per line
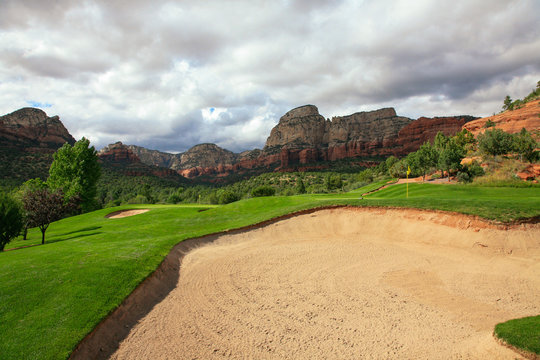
(303, 137)
(28, 138)
(121, 158)
(30, 128)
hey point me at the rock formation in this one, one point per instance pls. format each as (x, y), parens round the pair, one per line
(28, 138)
(511, 121)
(303, 138)
(32, 129)
(119, 157)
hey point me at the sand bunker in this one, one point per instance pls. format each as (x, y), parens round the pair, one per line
(340, 284)
(125, 213)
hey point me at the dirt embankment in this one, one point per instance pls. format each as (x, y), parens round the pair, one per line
(338, 283)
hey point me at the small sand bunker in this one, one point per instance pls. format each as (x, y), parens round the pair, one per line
(125, 213)
(338, 284)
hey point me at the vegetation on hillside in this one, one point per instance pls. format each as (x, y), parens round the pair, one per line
(509, 104)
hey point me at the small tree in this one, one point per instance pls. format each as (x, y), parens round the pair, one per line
(495, 142)
(11, 220)
(507, 103)
(427, 158)
(300, 186)
(525, 145)
(450, 158)
(43, 207)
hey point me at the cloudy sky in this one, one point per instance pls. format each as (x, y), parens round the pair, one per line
(171, 74)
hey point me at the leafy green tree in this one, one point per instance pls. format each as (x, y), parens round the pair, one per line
(11, 219)
(450, 158)
(76, 170)
(43, 207)
(525, 145)
(495, 142)
(427, 158)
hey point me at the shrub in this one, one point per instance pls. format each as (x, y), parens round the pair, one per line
(495, 142)
(11, 220)
(263, 190)
(226, 197)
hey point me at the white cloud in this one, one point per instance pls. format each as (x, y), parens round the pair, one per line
(148, 72)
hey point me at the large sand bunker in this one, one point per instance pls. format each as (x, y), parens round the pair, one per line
(341, 284)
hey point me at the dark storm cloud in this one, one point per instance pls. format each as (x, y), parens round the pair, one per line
(157, 67)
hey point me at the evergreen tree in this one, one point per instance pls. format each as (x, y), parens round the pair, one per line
(507, 103)
(525, 145)
(300, 186)
(427, 158)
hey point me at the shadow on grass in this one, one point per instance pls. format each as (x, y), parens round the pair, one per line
(90, 228)
(54, 239)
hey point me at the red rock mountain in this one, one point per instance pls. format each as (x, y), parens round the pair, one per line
(120, 158)
(511, 121)
(303, 137)
(33, 130)
(28, 138)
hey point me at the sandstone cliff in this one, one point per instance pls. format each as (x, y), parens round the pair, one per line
(28, 138)
(30, 128)
(511, 121)
(303, 137)
(119, 157)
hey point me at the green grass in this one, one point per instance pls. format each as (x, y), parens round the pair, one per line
(52, 295)
(521, 333)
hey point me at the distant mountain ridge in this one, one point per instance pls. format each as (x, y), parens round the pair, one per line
(304, 137)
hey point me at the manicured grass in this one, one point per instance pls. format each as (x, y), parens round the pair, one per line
(52, 295)
(372, 187)
(522, 333)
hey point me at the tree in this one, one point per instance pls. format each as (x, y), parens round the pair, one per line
(333, 182)
(450, 158)
(507, 103)
(427, 158)
(525, 145)
(495, 142)
(43, 207)
(76, 171)
(29, 185)
(300, 186)
(11, 219)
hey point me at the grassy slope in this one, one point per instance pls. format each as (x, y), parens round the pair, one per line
(52, 295)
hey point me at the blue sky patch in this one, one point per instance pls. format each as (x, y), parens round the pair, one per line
(38, 104)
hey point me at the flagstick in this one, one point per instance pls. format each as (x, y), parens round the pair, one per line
(407, 184)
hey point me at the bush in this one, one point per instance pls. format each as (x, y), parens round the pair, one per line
(495, 142)
(226, 197)
(174, 199)
(11, 219)
(263, 190)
